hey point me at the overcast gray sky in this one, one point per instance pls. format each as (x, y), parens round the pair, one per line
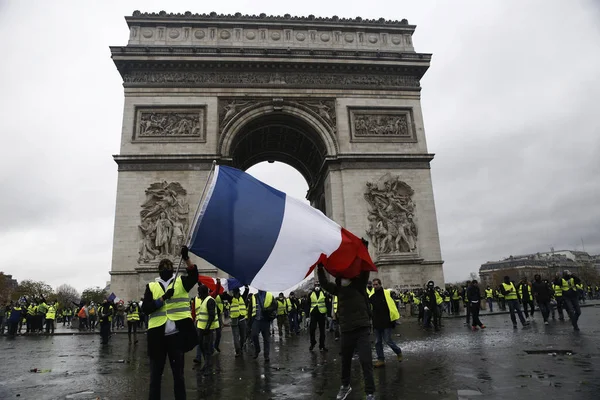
(510, 104)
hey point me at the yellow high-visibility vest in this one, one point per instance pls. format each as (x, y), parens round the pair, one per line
(510, 290)
(202, 314)
(318, 302)
(269, 299)
(237, 308)
(175, 309)
(394, 314)
(134, 315)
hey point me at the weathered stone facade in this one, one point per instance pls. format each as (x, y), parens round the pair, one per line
(337, 99)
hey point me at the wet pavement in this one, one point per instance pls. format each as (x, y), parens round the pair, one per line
(549, 362)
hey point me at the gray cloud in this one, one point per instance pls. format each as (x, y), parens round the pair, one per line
(509, 106)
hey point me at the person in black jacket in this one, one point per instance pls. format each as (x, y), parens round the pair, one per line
(542, 293)
(526, 298)
(354, 315)
(569, 283)
(474, 299)
(175, 336)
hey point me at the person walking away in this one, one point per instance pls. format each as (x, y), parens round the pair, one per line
(50, 317)
(474, 297)
(133, 319)
(105, 312)
(431, 299)
(569, 283)
(385, 315)
(318, 309)
(219, 300)
(207, 321)
(92, 316)
(264, 309)
(512, 300)
(171, 330)
(489, 297)
(293, 315)
(526, 298)
(283, 320)
(15, 317)
(354, 314)
(542, 293)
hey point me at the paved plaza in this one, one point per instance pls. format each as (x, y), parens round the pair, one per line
(538, 362)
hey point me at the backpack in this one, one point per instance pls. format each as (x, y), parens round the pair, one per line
(92, 311)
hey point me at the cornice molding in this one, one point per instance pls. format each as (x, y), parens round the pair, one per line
(262, 18)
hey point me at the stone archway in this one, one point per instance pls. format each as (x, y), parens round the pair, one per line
(283, 132)
(337, 99)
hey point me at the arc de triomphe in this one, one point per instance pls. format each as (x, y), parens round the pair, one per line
(337, 99)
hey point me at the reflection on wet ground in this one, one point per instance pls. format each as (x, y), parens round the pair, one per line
(549, 362)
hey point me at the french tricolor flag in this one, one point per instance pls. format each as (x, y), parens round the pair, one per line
(267, 239)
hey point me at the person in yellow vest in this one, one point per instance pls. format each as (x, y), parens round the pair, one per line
(264, 310)
(238, 315)
(489, 297)
(216, 294)
(568, 282)
(133, 319)
(385, 316)
(335, 321)
(295, 314)
(50, 317)
(31, 311)
(207, 322)
(501, 300)
(370, 289)
(559, 300)
(431, 301)
(283, 310)
(318, 311)
(455, 298)
(171, 331)
(512, 299)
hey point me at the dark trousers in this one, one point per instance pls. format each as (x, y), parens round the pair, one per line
(49, 326)
(105, 331)
(544, 309)
(12, 328)
(206, 343)
(468, 309)
(559, 308)
(294, 324)
(83, 326)
(455, 304)
(431, 315)
(132, 326)
(514, 307)
(168, 347)
(528, 304)
(317, 318)
(502, 303)
(218, 333)
(475, 308)
(263, 327)
(490, 302)
(572, 305)
(358, 341)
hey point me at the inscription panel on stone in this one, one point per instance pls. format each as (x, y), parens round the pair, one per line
(170, 124)
(381, 125)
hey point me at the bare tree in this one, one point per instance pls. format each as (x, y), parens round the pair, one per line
(66, 295)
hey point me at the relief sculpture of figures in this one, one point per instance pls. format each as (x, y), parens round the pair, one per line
(156, 124)
(164, 221)
(381, 125)
(231, 109)
(392, 227)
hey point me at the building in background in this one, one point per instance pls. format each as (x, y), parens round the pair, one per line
(546, 264)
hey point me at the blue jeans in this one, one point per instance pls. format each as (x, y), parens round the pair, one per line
(490, 304)
(571, 303)
(513, 306)
(385, 335)
(294, 326)
(261, 327)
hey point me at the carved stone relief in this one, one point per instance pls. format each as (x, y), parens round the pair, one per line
(394, 125)
(203, 78)
(164, 222)
(391, 217)
(324, 110)
(170, 124)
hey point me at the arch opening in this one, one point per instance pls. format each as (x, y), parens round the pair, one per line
(280, 137)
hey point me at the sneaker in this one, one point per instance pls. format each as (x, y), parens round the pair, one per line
(343, 393)
(323, 349)
(379, 364)
(482, 326)
(399, 356)
(546, 323)
(370, 397)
